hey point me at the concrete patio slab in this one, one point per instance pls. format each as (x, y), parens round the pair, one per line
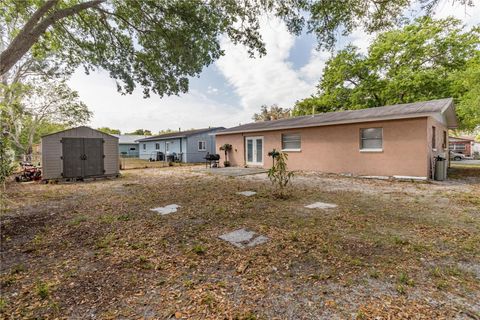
(242, 238)
(234, 171)
(247, 193)
(321, 205)
(171, 208)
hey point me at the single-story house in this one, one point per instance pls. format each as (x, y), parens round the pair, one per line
(128, 144)
(463, 145)
(184, 146)
(80, 152)
(397, 140)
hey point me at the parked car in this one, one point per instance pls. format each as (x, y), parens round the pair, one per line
(456, 156)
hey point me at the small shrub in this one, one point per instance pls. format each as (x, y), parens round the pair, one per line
(124, 217)
(441, 284)
(403, 278)
(278, 174)
(374, 273)
(107, 218)
(42, 290)
(77, 220)
(37, 240)
(198, 249)
(18, 268)
(401, 289)
(399, 241)
(3, 304)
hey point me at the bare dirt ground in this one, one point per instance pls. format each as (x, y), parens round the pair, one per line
(94, 250)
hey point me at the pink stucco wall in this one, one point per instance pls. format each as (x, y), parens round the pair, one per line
(335, 149)
(441, 146)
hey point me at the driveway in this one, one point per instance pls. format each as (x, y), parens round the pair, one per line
(467, 162)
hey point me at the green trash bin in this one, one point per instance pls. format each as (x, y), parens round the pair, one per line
(440, 168)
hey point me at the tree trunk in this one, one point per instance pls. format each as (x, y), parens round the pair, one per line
(35, 28)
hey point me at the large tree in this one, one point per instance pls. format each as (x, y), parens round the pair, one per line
(109, 130)
(159, 44)
(427, 59)
(274, 112)
(51, 104)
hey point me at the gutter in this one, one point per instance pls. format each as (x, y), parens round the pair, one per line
(412, 116)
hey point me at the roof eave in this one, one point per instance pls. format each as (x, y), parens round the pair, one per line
(332, 123)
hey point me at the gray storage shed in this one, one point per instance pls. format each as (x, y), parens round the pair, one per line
(80, 152)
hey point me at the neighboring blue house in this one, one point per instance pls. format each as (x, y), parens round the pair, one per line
(128, 144)
(184, 146)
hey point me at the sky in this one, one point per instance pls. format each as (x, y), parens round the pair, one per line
(232, 89)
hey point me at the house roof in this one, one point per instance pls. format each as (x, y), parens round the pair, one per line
(129, 138)
(392, 112)
(180, 134)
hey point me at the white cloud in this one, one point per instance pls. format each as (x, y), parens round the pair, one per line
(313, 70)
(212, 90)
(267, 80)
(272, 78)
(130, 112)
(469, 15)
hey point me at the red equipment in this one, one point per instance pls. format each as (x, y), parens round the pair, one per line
(29, 172)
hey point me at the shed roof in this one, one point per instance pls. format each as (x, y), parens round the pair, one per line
(180, 134)
(86, 127)
(391, 112)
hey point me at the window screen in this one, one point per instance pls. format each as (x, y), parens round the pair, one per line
(371, 138)
(444, 144)
(291, 142)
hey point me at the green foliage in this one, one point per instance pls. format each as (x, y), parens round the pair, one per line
(226, 148)
(199, 249)
(109, 130)
(428, 59)
(141, 132)
(273, 113)
(36, 107)
(43, 290)
(159, 45)
(278, 174)
(6, 161)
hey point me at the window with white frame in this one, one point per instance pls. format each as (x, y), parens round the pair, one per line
(291, 142)
(371, 139)
(157, 146)
(144, 146)
(202, 146)
(167, 146)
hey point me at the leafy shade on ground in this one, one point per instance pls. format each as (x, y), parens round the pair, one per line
(95, 250)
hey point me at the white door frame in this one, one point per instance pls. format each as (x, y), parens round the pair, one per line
(254, 150)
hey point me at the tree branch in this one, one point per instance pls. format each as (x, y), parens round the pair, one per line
(32, 31)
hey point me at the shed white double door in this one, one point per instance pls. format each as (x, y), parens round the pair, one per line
(254, 151)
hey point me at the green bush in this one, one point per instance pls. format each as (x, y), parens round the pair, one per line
(278, 174)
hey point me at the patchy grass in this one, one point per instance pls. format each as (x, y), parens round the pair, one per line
(388, 246)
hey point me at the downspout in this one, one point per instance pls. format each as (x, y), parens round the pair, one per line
(181, 148)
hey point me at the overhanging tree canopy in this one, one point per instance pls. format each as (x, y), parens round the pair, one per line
(158, 44)
(425, 60)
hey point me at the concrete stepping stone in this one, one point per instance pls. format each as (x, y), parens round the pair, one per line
(321, 205)
(171, 208)
(242, 238)
(247, 193)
